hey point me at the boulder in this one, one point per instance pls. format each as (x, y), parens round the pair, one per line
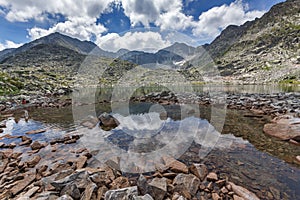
(157, 188)
(142, 184)
(122, 194)
(215, 196)
(80, 178)
(175, 165)
(107, 121)
(199, 170)
(285, 128)
(34, 161)
(188, 181)
(37, 145)
(212, 176)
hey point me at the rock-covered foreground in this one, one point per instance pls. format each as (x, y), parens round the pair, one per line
(59, 169)
(62, 169)
(69, 177)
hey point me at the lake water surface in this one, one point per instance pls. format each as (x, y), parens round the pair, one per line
(240, 150)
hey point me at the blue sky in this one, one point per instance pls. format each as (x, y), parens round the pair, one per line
(131, 24)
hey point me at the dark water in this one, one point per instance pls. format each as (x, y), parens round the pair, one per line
(243, 152)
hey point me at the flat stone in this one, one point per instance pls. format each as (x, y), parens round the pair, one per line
(36, 131)
(243, 192)
(121, 194)
(30, 192)
(120, 182)
(212, 176)
(47, 196)
(175, 165)
(145, 197)
(80, 178)
(90, 123)
(22, 184)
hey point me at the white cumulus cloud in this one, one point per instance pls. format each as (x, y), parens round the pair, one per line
(213, 21)
(81, 16)
(146, 41)
(9, 44)
(82, 28)
(166, 14)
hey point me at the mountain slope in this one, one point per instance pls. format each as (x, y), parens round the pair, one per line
(160, 57)
(265, 50)
(54, 39)
(181, 49)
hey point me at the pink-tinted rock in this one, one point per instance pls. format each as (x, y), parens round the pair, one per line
(284, 127)
(175, 165)
(243, 192)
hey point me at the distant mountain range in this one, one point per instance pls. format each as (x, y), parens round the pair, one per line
(263, 50)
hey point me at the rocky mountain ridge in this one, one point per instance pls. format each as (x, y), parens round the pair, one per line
(265, 50)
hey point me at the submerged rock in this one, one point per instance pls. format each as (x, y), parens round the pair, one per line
(22, 184)
(285, 127)
(243, 192)
(37, 145)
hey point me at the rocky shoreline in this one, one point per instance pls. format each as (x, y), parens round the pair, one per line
(276, 105)
(262, 104)
(59, 169)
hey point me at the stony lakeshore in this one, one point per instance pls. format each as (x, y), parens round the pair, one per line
(59, 169)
